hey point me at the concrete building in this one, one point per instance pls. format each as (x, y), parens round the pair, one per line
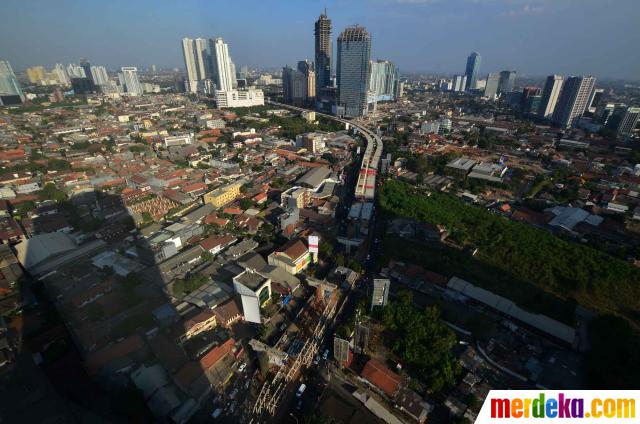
(178, 140)
(131, 81)
(224, 195)
(624, 120)
(380, 292)
(293, 257)
(573, 100)
(383, 78)
(61, 75)
(492, 86)
(507, 82)
(255, 291)
(354, 53)
(239, 98)
(99, 75)
(550, 95)
(35, 74)
(459, 83)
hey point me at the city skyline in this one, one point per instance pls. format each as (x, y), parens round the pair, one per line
(449, 32)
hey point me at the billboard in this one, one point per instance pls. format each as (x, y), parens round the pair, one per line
(314, 242)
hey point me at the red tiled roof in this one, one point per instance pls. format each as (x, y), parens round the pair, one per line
(118, 350)
(293, 249)
(215, 354)
(215, 241)
(381, 377)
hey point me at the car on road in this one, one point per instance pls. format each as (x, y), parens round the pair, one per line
(316, 360)
(325, 355)
(216, 413)
(242, 367)
(301, 390)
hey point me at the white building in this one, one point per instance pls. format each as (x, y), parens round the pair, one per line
(131, 82)
(430, 127)
(239, 98)
(99, 75)
(61, 74)
(76, 71)
(178, 140)
(550, 95)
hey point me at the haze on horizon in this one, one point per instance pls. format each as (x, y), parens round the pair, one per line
(533, 37)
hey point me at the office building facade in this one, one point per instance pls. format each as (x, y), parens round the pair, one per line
(472, 70)
(354, 54)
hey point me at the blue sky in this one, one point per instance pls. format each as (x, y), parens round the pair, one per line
(534, 37)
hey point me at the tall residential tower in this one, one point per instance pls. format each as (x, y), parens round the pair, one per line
(573, 100)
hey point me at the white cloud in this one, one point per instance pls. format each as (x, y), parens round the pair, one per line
(525, 10)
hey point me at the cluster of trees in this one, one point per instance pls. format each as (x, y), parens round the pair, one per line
(595, 279)
(189, 284)
(421, 340)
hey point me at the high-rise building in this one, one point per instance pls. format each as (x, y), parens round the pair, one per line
(491, 88)
(354, 53)
(61, 75)
(550, 95)
(507, 82)
(35, 74)
(10, 91)
(459, 83)
(472, 70)
(198, 64)
(100, 75)
(594, 100)
(298, 85)
(76, 71)
(293, 86)
(383, 79)
(131, 82)
(86, 66)
(222, 68)
(624, 119)
(530, 102)
(323, 51)
(573, 100)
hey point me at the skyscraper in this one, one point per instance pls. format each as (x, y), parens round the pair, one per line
(197, 62)
(76, 71)
(221, 62)
(323, 51)
(550, 95)
(472, 70)
(293, 86)
(594, 100)
(86, 66)
(491, 88)
(354, 53)
(131, 82)
(573, 100)
(10, 91)
(35, 74)
(624, 119)
(307, 70)
(459, 83)
(383, 80)
(61, 74)
(507, 82)
(100, 75)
